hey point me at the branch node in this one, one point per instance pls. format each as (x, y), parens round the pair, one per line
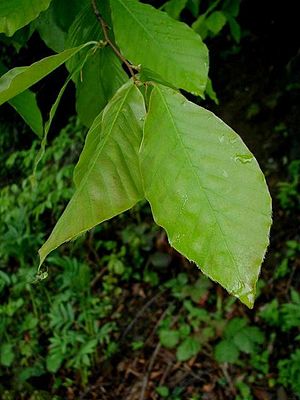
(105, 28)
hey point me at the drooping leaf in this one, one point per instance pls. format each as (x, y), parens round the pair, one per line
(19, 38)
(101, 77)
(19, 79)
(64, 15)
(235, 28)
(109, 181)
(200, 26)
(50, 32)
(26, 106)
(52, 113)
(14, 14)
(216, 21)
(232, 7)
(169, 48)
(193, 6)
(207, 190)
(175, 7)
(91, 143)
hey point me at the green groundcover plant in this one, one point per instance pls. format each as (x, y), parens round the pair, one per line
(146, 140)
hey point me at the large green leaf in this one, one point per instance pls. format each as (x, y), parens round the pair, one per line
(91, 143)
(14, 14)
(19, 79)
(101, 77)
(108, 181)
(207, 190)
(169, 48)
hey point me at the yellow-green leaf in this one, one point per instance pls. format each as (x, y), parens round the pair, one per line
(207, 190)
(169, 48)
(108, 180)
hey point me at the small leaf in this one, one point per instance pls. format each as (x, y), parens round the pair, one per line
(169, 48)
(174, 7)
(168, 338)
(210, 92)
(226, 351)
(243, 342)
(163, 391)
(200, 26)
(215, 22)
(25, 104)
(234, 326)
(232, 7)
(235, 29)
(207, 190)
(193, 6)
(14, 14)
(7, 354)
(19, 79)
(189, 348)
(108, 181)
(54, 361)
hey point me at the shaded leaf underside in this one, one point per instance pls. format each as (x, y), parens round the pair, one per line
(109, 181)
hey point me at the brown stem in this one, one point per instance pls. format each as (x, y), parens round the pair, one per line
(109, 42)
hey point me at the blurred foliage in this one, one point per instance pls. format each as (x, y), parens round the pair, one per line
(61, 327)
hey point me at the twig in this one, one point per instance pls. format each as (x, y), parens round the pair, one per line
(224, 369)
(146, 378)
(104, 27)
(158, 322)
(140, 313)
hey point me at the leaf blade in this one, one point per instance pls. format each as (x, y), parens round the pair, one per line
(110, 182)
(25, 104)
(19, 79)
(14, 14)
(102, 76)
(169, 48)
(203, 203)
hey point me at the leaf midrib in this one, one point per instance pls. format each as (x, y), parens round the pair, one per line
(98, 152)
(197, 176)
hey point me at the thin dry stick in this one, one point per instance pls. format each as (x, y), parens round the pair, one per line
(146, 377)
(104, 27)
(224, 369)
(141, 312)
